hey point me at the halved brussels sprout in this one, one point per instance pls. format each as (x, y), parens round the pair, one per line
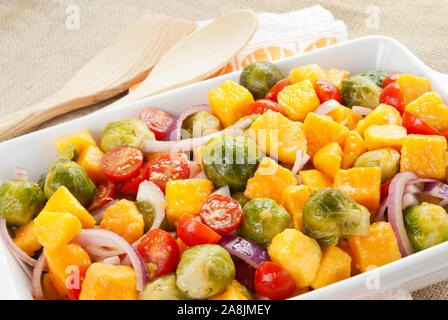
(231, 161)
(71, 152)
(125, 133)
(263, 219)
(239, 196)
(164, 288)
(202, 122)
(330, 215)
(360, 91)
(20, 201)
(376, 76)
(41, 181)
(387, 159)
(148, 212)
(260, 77)
(204, 271)
(426, 225)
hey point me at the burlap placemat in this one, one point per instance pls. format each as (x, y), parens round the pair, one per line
(38, 53)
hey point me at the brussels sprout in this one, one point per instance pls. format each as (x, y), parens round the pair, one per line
(125, 133)
(41, 181)
(426, 225)
(263, 219)
(376, 76)
(260, 77)
(70, 152)
(20, 201)
(330, 215)
(231, 161)
(239, 196)
(387, 159)
(64, 172)
(148, 213)
(164, 288)
(203, 122)
(204, 271)
(360, 91)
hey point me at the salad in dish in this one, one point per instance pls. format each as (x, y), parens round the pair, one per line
(279, 185)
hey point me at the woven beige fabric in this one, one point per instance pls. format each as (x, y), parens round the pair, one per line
(38, 53)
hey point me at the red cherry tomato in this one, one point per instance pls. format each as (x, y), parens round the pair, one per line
(105, 193)
(156, 120)
(273, 281)
(160, 252)
(327, 90)
(131, 186)
(415, 125)
(390, 79)
(170, 166)
(221, 213)
(193, 232)
(73, 293)
(393, 96)
(122, 163)
(260, 106)
(279, 86)
(384, 190)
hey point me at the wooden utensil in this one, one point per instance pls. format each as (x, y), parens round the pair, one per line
(124, 62)
(198, 56)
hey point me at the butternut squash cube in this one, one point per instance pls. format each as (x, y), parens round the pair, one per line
(229, 102)
(124, 219)
(334, 266)
(335, 76)
(385, 136)
(381, 115)
(315, 180)
(311, 72)
(90, 159)
(234, 291)
(81, 139)
(353, 147)
(430, 108)
(345, 116)
(361, 184)
(186, 197)
(412, 86)
(328, 159)
(49, 289)
(63, 201)
(293, 199)
(343, 245)
(54, 229)
(376, 249)
(278, 136)
(298, 254)
(26, 239)
(108, 282)
(298, 100)
(269, 181)
(424, 155)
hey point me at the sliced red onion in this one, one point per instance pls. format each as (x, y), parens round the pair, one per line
(200, 175)
(436, 189)
(362, 111)
(248, 251)
(190, 144)
(413, 189)
(301, 160)
(36, 284)
(443, 203)
(224, 191)
(409, 200)
(395, 210)
(379, 215)
(98, 214)
(105, 238)
(101, 253)
(20, 174)
(115, 261)
(148, 191)
(327, 107)
(174, 131)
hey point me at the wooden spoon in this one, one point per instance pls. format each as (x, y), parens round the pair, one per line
(124, 62)
(198, 56)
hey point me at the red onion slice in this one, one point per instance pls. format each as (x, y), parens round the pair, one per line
(409, 200)
(115, 261)
(224, 191)
(436, 189)
(98, 214)
(301, 160)
(248, 251)
(200, 175)
(379, 215)
(148, 191)
(101, 253)
(327, 107)
(36, 284)
(20, 174)
(362, 111)
(174, 131)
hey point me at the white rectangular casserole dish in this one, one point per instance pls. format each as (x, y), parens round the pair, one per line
(35, 151)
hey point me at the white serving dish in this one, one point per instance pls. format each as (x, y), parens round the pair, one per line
(35, 151)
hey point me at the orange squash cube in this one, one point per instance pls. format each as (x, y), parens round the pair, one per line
(361, 184)
(310, 72)
(54, 229)
(345, 116)
(298, 100)
(90, 159)
(376, 249)
(381, 115)
(424, 155)
(315, 180)
(328, 159)
(430, 108)
(353, 147)
(293, 199)
(343, 245)
(49, 289)
(334, 266)
(81, 139)
(412, 86)
(335, 76)
(235, 291)
(26, 239)
(385, 136)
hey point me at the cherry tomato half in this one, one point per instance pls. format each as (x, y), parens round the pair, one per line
(193, 232)
(279, 86)
(260, 106)
(105, 192)
(131, 186)
(415, 125)
(73, 293)
(273, 281)
(393, 96)
(160, 252)
(156, 120)
(169, 166)
(390, 79)
(327, 90)
(221, 213)
(121, 163)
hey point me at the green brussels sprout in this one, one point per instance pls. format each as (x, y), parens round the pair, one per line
(426, 225)
(360, 91)
(239, 196)
(70, 152)
(125, 133)
(203, 122)
(148, 212)
(20, 201)
(263, 219)
(163, 288)
(204, 271)
(376, 76)
(41, 181)
(330, 215)
(64, 172)
(231, 161)
(387, 159)
(260, 77)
